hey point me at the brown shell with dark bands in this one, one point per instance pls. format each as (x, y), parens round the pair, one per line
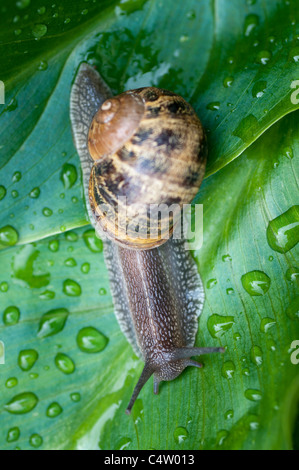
(150, 148)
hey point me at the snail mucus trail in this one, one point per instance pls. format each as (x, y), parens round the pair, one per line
(148, 145)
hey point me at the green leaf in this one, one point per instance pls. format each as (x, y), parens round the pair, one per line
(236, 63)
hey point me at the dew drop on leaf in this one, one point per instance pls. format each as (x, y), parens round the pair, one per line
(180, 434)
(52, 322)
(90, 340)
(218, 324)
(64, 363)
(11, 315)
(283, 231)
(22, 403)
(256, 283)
(27, 358)
(54, 410)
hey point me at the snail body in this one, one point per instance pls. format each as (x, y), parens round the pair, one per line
(148, 147)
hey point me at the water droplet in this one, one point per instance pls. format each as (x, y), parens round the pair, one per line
(256, 282)
(11, 382)
(64, 363)
(8, 236)
(253, 395)
(13, 435)
(52, 322)
(283, 231)
(27, 359)
(39, 30)
(226, 258)
(12, 105)
(258, 89)
(85, 268)
(42, 66)
(54, 410)
(11, 316)
(35, 440)
(213, 106)
(256, 355)
(71, 236)
(4, 286)
(253, 422)
(292, 274)
(288, 153)
(23, 268)
(84, 12)
(221, 436)
(218, 324)
(53, 245)
(16, 176)
(228, 81)
(228, 370)
(251, 22)
(74, 199)
(230, 291)
(47, 295)
(68, 175)
(34, 193)
(247, 129)
(263, 57)
(75, 397)
(47, 212)
(266, 324)
(41, 10)
(229, 414)
(292, 310)
(70, 262)
(123, 443)
(237, 336)
(71, 288)
(180, 434)
(90, 340)
(22, 403)
(92, 241)
(23, 4)
(67, 21)
(14, 193)
(2, 192)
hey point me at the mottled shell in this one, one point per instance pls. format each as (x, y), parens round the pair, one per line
(149, 148)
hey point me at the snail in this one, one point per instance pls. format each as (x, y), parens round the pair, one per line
(146, 146)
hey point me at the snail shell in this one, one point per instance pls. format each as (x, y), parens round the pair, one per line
(154, 150)
(149, 149)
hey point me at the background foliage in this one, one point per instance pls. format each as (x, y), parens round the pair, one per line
(69, 372)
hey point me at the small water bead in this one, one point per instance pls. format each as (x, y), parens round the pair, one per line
(34, 193)
(14, 193)
(256, 355)
(11, 316)
(90, 340)
(213, 106)
(54, 410)
(251, 22)
(228, 81)
(52, 322)
(258, 89)
(70, 249)
(253, 422)
(253, 395)
(180, 435)
(39, 30)
(263, 57)
(2, 192)
(17, 32)
(102, 291)
(47, 295)
(74, 199)
(256, 283)
(123, 443)
(292, 274)
(4, 286)
(228, 370)
(12, 105)
(226, 258)
(271, 258)
(85, 268)
(35, 440)
(221, 436)
(47, 212)
(230, 291)
(42, 66)
(11, 382)
(23, 4)
(16, 176)
(68, 175)
(75, 397)
(71, 288)
(13, 434)
(27, 359)
(283, 231)
(237, 336)
(229, 414)
(266, 324)
(8, 236)
(64, 363)
(271, 344)
(288, 153)
(33, 375)
(71, 236)
(92, 241)
(219, 324)
(62, 195)
(41, 10)
(70, 262)
(211, 283)
(246, 372)
(22, 403)
(84, 12)
(67, 21)
(53, 245)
